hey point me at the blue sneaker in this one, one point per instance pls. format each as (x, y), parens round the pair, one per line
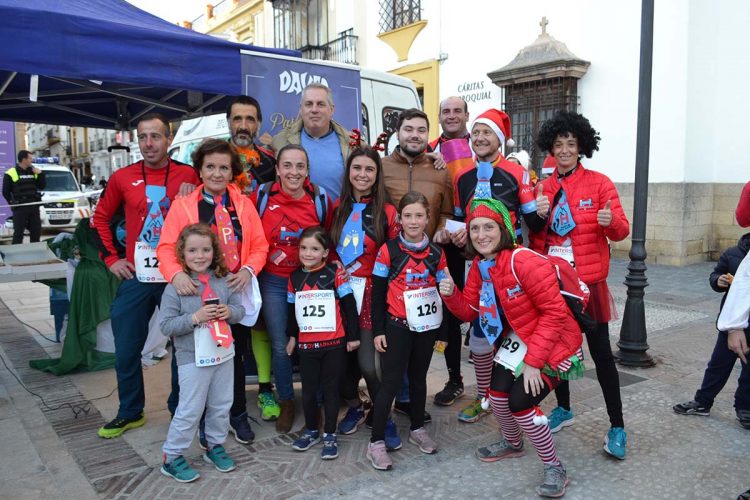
(240, 427)
(559, 418)
(392, 439)
(615, 442)
(219, 458)
(352, 420)
(330, 447)
(306, 440)
(179, 470)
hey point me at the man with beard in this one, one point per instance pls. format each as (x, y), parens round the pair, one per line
(244, 118)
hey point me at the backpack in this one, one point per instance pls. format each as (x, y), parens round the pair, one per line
(318, 194)
(572, 288)
(399, 259)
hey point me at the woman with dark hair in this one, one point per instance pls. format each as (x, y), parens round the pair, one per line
(363, 220)
(583, 213)
(287, 206)
(233, 218)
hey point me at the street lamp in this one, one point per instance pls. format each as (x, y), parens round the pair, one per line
(632, 343)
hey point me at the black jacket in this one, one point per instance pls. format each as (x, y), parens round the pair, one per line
(728, 263)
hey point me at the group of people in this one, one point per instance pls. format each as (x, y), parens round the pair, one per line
(360, 264)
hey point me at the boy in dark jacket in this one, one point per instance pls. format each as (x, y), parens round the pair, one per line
(722, 360)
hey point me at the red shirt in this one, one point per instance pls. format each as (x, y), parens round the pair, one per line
(284, 219)
(127, 188)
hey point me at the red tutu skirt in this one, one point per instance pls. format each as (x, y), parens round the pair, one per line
(601, 306)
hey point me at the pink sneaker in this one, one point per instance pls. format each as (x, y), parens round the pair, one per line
(378, 456)
(423, 440)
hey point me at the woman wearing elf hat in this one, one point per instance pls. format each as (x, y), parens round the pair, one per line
(583, 213)
(492, 177)
(515, 294)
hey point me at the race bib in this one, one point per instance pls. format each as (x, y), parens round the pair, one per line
(564, 252)
(424, 309)
(146, 264)
(315, 310)
(511, 352)
(207, 352)
(358, 287)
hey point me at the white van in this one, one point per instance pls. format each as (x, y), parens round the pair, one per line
(383, 96)
(64, 202)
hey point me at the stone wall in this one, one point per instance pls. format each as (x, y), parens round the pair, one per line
(686, 222)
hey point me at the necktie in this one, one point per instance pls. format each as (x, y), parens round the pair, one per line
(352, 242)
(219, 329)
(227, 240)
(562, 218)
(489, 312)
(484, 174)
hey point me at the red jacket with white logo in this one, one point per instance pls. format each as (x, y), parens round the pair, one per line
(533, 308)
(587, 192)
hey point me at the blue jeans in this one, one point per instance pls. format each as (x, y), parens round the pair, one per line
(273, 290)
(718, 371)
(132, 309)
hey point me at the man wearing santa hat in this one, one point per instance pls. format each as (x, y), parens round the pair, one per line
(491, 177)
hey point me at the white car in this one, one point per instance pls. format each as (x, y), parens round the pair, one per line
(64, 202)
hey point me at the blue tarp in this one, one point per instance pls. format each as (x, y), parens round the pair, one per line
(137, 61)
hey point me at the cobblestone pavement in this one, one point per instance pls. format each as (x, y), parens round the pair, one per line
(51, 453)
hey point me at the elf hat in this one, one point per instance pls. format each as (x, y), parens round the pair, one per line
(549, 165)
(492, 209)
(499, 122)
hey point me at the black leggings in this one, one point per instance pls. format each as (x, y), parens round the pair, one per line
(404, 348)
(241, 334)
(321, 372)
(360, 363)
(606, 373)
(457, 267)
(518, 401)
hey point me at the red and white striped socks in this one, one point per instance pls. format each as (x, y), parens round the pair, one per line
(539, 435)
(508, 425)
(483, 369)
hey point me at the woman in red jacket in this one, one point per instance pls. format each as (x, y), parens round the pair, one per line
(583, 213)
(516, 296)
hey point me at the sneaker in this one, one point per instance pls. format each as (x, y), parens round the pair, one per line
(692, 408)
(559, 418)
(118, 426)
(286, 417)
(378, 456)
(306, 441)
(330, 447)
(555, 481)
(498, 451)
(202, 441)
(473, 412)
(179, 470)
(269, 408)
(218, 456)
(744, 496)
(351, 421)
(392, 438)
(240, 427)
(744, 417)
(450, 393)
(404, 407)
(423, 440)
(615, 442)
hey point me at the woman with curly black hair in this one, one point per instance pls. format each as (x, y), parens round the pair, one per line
(583, 213)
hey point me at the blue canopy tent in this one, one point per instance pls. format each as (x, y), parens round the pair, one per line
(105, 63)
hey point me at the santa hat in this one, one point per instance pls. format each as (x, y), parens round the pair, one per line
(549, 165)
(499, 122)
(492, 209)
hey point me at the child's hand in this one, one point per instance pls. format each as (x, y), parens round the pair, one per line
(290, 346)
(223, 312)
(352, 345)
(440, 346)
(206, 313)
(724, 280)
(380, 343)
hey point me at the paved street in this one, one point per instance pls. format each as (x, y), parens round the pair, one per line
(52, 453)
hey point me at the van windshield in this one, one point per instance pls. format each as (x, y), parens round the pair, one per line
(60, 181)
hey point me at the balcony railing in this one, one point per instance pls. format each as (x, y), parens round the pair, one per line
(343, 49)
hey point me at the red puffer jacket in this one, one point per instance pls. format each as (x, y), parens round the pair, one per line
(535, 310)
(587, 192)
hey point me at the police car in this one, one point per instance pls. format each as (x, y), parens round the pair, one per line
(64, 204)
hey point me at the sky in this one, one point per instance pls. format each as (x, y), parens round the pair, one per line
(174, 11)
